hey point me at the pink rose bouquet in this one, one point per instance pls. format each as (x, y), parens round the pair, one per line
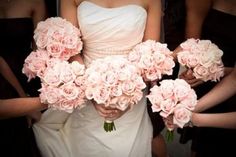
(113, 81)
(173, 98)
(62, 85)
(57, 40)
(203, 57)
(58, 37)
(153, 59)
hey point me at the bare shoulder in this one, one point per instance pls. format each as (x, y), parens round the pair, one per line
(152, 4)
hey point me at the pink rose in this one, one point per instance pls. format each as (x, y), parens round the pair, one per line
(166, 88)
(137, 96)
(116, 91)
(128, 87)
(181, 116)
(55, 49)
(69, 91)
(101, 95)
(155, 101)
(89, 93)
(52, 77)
(110, 78)
(146, 61)
(123, 103)
(67, 106)
(78, 68)
(67, 74)
(70, 41)
(201, 72)
(190, 100)
(134, 56)
(41, 41)
(167, 107)
(181, 89)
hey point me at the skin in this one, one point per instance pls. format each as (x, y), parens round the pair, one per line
(214, 97)
(7, 73)
(13, 107)
(34, 9)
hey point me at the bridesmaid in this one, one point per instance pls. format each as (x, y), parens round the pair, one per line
(18, 18)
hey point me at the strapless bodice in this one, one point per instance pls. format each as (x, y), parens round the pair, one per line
(110, 31)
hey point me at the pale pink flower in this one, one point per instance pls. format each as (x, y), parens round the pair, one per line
(69, 91)
(203, 57)
(153, 59)
(181, 116)
(173, 98)
(115, 82)
(59, 37)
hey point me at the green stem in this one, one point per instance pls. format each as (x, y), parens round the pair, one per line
(169, 135)
(109, 126)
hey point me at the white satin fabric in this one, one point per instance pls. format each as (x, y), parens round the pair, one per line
(105, 31)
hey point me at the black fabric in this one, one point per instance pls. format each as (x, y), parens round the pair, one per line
(16, 34)
(218, 27)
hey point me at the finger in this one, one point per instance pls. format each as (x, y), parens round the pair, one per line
(105, 111)
(101, 114)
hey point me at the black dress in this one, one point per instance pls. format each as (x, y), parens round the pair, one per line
(16, 35)
(220, 28)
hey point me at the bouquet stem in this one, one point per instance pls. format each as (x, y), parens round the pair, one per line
(109, 126)
(169, 135)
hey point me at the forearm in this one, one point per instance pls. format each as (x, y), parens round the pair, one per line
(218, 120)
(10, 77)
(20, 106)
(175, 52)
(221, 92)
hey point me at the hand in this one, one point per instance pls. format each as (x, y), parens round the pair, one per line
(169, 122)
(108, 112)
(189, 78)
(33, 117)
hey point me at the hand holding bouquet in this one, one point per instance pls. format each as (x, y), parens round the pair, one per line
(203, 57)
(57, 40)
(173, 98)
(114, 82)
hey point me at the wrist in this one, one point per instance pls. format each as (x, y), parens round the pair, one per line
(194, 119)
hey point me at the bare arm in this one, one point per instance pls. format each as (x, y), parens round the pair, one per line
(20, 107)
(153, 25)
(196, 12)
(39, 11)
(7, 73)
(195, 16)
(216, 96)
(68, 11)
(218, 120)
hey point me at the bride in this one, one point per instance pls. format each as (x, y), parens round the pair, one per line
(108, 28)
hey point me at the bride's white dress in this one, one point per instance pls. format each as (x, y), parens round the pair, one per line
(105, 31)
